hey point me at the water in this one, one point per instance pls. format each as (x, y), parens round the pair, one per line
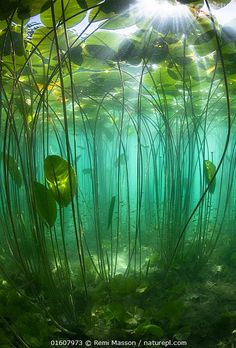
(117, 177)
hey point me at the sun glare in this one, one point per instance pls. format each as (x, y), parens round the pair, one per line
(161, 8)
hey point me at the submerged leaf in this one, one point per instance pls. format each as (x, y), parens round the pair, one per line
(111, 210)
(121, 160)
(45, 203)
(173, 74)
(142, 288)
(209, 171)
(87, 171)
(151, 330)
(13, 168)
(61, 179)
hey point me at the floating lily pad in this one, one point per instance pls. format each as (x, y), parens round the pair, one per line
(61, 179)
(116, 6)
(72, 14)
(205, 37)
(75, 54)
(45, 203)
(128, 51)
(100, 52)
(219, 3)
(24, 9)
(112, 19)
(44, 39)
(189, 2)
(7, 8)
(108, 38)
(11, 41)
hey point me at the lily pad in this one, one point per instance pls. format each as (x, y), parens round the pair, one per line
(13, 168)
(112, 20)
(205, 37)
(75, 54)
(116, 6)
(209, 171)
(7, 8)
(11, 41)
(100, 52)
(130, 52)
(189, 2)
(72, 14)
(45, 203)
(61, 179)
(107, 38)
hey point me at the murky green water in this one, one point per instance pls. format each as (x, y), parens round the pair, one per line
(117, 172)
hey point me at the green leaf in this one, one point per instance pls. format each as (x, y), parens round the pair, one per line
(82, 3)
(88, 3)
(156, 52)
(209, 172)
(173, 74)
(119, 22)
(44, 39)
(45, 203)
(142, 287)
(150, 330)
(189, 2)
(75, 54)
(61, 179)
(129, 52)
(6, 8)
(184, 61)
(111, 210)
(23, 12)
(100, 52)
(80, 78)
(112, 20)
(205, 37)
(13, 168)
(27, 8)
(107, 38)
(116, 6)
(219, 3)
(11, 41)
(205, 49)
(71, 13)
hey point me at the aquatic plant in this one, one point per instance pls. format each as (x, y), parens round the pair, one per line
(109, 149)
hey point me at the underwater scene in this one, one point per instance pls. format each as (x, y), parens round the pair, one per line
(118, 173)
